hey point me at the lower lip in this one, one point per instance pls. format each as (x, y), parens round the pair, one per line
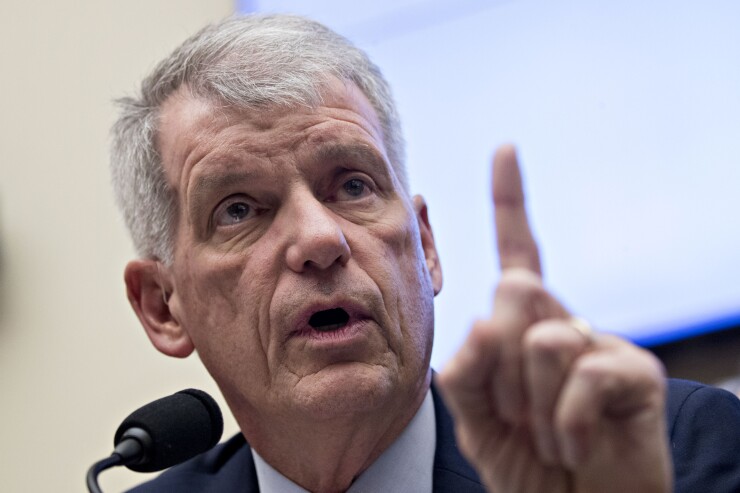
(353, 330)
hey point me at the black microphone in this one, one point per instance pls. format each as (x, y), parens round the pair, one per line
(163, 433)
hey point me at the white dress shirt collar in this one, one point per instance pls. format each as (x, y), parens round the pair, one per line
(406, 465)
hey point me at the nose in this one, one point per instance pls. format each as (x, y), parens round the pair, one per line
(317, 239)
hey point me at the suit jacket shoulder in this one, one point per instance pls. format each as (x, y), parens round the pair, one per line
(452, 473)
(227, 467)
(704, 432)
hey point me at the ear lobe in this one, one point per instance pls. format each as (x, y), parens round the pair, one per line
(427, 243)
(148, 292)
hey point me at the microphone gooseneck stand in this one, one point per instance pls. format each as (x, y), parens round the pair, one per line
(130, 449)
(97, 468)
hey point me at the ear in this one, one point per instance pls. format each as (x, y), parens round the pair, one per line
(148, 287)
(427, 243)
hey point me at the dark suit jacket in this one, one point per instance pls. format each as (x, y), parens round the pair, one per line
(703, 425)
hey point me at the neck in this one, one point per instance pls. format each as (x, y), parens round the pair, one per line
(326, 456)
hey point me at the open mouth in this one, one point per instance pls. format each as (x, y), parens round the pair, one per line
(328, 320)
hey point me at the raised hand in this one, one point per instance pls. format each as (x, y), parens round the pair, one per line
(540, 403)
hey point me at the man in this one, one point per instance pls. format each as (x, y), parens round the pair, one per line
(261, 175)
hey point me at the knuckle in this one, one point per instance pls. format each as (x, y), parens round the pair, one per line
(596, 371)
(630, 373)
(594, 366)
(484, 332)
(637, 360)
(552, 338)
(574, 425)
(520, 282)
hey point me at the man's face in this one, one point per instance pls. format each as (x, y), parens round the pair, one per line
(303, 274)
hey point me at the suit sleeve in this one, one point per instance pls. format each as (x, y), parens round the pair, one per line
(705, 441)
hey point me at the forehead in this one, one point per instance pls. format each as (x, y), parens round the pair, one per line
(191, 128)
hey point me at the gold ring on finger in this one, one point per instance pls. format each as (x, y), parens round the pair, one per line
(583, 327)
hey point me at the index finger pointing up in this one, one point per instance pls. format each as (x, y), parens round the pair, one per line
(515, 243)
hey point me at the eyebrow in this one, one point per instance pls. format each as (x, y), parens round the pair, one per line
(205, 186)
(356, 153)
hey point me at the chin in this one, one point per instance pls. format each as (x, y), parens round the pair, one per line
(347, 389)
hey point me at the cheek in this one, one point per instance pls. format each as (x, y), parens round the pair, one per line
(406, 284)
(210, 301)
(402, 249)
(222, 313)
(417, 299)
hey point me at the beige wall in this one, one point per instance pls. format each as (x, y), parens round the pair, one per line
(73, 358)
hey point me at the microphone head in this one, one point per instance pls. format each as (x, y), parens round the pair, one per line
(181, 426)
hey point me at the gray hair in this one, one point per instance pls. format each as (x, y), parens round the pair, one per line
(248, 62)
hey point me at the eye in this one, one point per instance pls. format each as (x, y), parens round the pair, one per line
(233, 211)
(354, 188)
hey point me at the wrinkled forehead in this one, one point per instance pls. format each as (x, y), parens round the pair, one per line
(190, 125)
